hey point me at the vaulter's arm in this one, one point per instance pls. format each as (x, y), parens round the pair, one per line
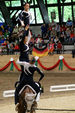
(41, 73)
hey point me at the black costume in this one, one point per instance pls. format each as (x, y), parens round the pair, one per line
(23, 53)
(29, 70)
(25, 17)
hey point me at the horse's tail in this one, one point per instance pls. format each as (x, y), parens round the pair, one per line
(16, 83)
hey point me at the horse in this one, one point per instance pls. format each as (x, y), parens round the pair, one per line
(27, 100)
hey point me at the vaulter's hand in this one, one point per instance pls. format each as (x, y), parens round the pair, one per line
(27, 27)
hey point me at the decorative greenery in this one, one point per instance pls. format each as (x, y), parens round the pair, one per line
(12, 66)
(61, 65)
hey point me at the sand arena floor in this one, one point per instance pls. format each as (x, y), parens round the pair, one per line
(60, 100)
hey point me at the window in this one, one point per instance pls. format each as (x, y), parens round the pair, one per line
(65, 1)
(12, 14)
(44, 1)
(15, 3)
(51, 1)
(73, 0)
(32, 3)
(38, 16)
(25, 0)
(53, 9)
(18, 13)
(35, 2)
(7, 3)
(74, 11)
(1, 17)
(67, 13)
(32, 21)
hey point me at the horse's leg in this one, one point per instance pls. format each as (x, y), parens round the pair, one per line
(22, 107)
(34, 106)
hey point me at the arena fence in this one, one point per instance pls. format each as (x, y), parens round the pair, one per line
(44, 109)
(59, 63)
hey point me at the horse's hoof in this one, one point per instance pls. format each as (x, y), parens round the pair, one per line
(17, 106)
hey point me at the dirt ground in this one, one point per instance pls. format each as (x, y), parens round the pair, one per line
(60, 100)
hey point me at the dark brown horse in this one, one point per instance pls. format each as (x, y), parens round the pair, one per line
(27, 103)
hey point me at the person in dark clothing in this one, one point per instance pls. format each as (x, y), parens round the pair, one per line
(24, 48)
(73, 53)
(29, 69)
(24, 18)
(25, 15)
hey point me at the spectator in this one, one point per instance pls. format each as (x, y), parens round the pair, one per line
(72, 37)
(68, 34)
(53, 24)
(57, 28)
(1, 33)
(43, 30)
(62, 38)
(56, 41)
(2, 40)
(8, 47)
(69, 22)
(16, 49)
(49, 29)
(53, 33)
(6, 34)
(59, 47)
(11, 50)
(51, 48)
(62, 28)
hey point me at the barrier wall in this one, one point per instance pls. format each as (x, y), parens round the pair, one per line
(47, 61)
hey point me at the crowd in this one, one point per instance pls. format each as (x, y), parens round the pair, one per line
(7, 46)
(58, 35)
(55, 34)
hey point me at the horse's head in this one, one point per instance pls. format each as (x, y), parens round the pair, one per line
(27, 98)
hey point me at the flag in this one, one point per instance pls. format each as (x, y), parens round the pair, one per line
(40, 52)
